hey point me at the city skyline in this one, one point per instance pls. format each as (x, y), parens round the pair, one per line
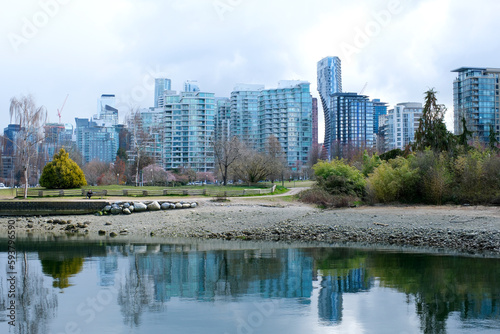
(53, 48)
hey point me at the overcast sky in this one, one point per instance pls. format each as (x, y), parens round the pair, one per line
(400, 48)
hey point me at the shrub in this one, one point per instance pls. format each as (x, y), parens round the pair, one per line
(338, 178)
(62, 173)
(324, 199)
(435, 177)
(393, 181)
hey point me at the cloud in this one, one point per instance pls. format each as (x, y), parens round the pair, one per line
(95, 47)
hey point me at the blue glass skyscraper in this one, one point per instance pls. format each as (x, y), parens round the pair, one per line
(476, 98)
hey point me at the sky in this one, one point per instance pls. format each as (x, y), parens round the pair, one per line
(394, 50)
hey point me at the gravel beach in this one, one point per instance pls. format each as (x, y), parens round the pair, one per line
(469, 229)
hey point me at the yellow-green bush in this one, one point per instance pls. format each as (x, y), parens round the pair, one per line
(393, 181)
(338, 178)
(62, 173)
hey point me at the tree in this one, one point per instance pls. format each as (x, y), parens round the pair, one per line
(252, 167)
(463, 139)
(62, 173)
(94, 170)
(141, 140)
(493, 142)
(276, 156)
(30, 119)
(122, 154)
(226, 152)
(432, 131)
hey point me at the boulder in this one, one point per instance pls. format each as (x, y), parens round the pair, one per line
(107, 208)
(115, 210)
(139, 207)
(178, 205)
(154, 206)
(165, 206)
(126, 205)
(131, 208)
(194, 205)
(126, 211)
(186, 205)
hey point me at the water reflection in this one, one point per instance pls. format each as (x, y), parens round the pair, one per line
(317, 288)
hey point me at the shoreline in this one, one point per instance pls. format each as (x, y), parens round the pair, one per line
(464, 229)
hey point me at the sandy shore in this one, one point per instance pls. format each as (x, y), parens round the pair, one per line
(461, 228)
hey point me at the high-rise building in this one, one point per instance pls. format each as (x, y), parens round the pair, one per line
(96, 142)
(97, 138)
(245, 113)
(188, 121)
(161, 85)
(286, 113)
(315, 139)
(476, 98)
(222, 118)
(398, 127)
(191, 86)
(329, 83)
(106, 111)
(379, 108)
(351, 124)
(349, 117)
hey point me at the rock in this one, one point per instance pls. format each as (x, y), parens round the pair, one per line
(30, 225)
(131, 208)
(125, 231)
(107, 208)
(115, 210)
(101, 232)
(108, 223)
(186, 205)
(154, 206)
(126, 205)
(126, 211)
(139, 207)
(70, 227)
(113, 234)
(178, 205)
(165, 206)
(194, 205)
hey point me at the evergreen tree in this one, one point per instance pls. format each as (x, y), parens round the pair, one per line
(62, 173)
(432, 131)
(464, 137)
(493, 142)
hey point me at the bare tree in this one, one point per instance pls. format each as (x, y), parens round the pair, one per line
(94, 170)
(277, 159)
(226, 152)
(252, 167)
(31, 119)
(141, 140)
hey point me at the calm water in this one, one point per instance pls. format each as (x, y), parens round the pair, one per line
(206, 287)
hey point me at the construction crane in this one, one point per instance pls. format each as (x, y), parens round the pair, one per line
(60, 110)
(363, 89)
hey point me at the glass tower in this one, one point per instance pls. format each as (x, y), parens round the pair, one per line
(351, 123)
(476, 98)
(161, 85)
(189, 122)
(329, 83)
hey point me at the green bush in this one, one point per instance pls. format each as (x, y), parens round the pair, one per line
(393, 181)
(62, 173)
(338, 178)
